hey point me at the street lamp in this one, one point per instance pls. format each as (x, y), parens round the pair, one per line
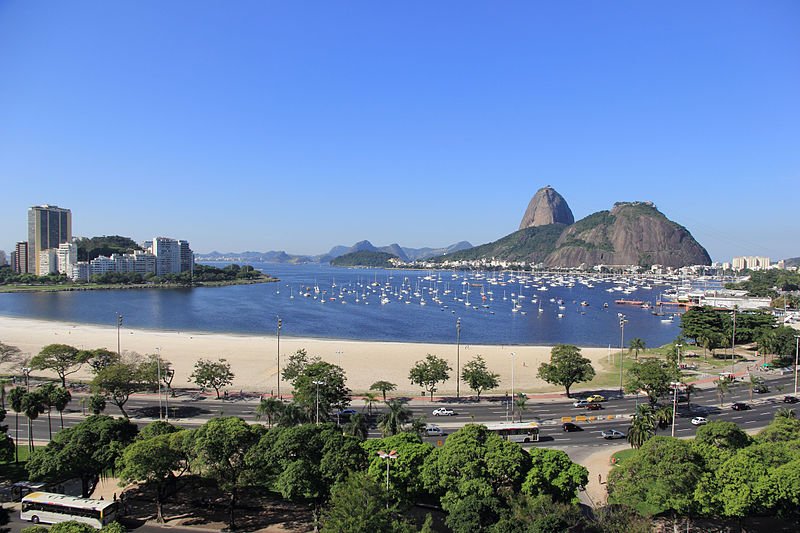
(733, 343)
(318, 383)
(158, 367)
(675, 385)
(119, 325)
(796, 353)
(513, 364)
(26, 372)
(679, 352)
(391, 455)
(169, 373)
(458, 357)
(622, 323)
(280, 324)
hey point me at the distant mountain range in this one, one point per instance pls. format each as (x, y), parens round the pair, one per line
(404, 253)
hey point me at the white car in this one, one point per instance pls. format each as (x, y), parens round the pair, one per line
(699, 421)
(581, 403)
(612, 434)
(443, 411)
(432, 430)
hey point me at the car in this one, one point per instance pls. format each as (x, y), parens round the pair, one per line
(596, 398)
(346, 412)
(760, 388)
(443, 411)
(740, 406)
(593, 406)
(612, 434)
(790, 399)
(432, 430)
(569, 427)
(699, 421)
(581, 403)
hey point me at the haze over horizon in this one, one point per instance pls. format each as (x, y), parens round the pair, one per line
(282, 126)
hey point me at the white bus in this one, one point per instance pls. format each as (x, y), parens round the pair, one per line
(50, 508)
(516, 431)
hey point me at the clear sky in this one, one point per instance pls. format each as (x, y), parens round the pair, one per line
(301, 125)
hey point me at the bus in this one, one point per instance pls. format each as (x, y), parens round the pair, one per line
(51, 508)
(516, 431)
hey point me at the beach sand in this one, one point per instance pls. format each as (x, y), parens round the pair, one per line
(253, 358)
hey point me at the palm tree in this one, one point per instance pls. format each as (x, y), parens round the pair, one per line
(15, 401)
(689, 389)
(357, 426)
(3, 383)
(292, 414)
(722, 389)
(636, 345)
(519, 404)
(392, 422)
(61, 399)
(663, 416)
(785, 412)
(47, 393)
(643, 426)
(270, 408)
(383, 386)
(369, 400)
(33, 404)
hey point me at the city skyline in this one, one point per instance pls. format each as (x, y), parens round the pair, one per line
(284, 127)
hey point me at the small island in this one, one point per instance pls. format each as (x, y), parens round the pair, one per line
(366, 259)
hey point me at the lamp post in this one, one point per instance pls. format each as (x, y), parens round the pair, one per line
(119, 325)
(280, 324)
(679, 352)
(391, 455)
(675, 386)
(733, 343)
(168, 375)
(458, 357)
(796, 353)
(158, 369)
(26, 372)
(318, 383)
(622, 322)
(513, 364)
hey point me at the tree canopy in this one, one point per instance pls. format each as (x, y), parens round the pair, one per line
(566, 367)
(429, 373)
(477, 376)
(62, 359)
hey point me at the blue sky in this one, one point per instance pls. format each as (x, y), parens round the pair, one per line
(301, 125)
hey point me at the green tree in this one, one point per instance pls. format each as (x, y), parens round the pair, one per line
(61, 398)
(15, 401)
(83, 451)
(643, 426)
(393, 421)
(269, 408)
(566, 367)
(321, 385)
(781, 429)
(722, 389)
(48, 392)
(540, 514)
(7, 444)
(33, 404)
(101, 358)
(520, 404)
(358, 503)
(383, 387)
(61, 359)
(119, 380)
(718, 441)
(8, 353)
(636, 345)
(429, 373)
(553, 472)
(214, 374)
(296, 363)
(659, 478)
(357, 427)
(405, 472)
(220, 447)
(370, 398)
(478, 377)
(156, 461)
(97, 404)
(653, 377)
(621, 519)
(156, 429)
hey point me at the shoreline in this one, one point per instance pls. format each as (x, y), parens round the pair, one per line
(254, 358)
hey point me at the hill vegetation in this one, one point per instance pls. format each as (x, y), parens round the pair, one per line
(529, 244)
(91, 248)
(364, 259)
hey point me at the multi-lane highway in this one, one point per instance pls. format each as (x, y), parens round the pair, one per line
(189, 410)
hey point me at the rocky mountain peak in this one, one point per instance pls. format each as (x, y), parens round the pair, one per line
(547, 207)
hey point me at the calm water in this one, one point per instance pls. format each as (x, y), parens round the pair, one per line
(253, 309)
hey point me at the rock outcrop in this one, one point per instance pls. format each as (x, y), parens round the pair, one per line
(546, 207)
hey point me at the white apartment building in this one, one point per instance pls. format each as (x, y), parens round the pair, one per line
(169, 254)
(751, 262)
(67, 256)
(48, 262)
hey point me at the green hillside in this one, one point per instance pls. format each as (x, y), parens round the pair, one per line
(364, 259)
(529, 244)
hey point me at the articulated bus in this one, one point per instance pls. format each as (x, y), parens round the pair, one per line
(50, 508)
(516, 431)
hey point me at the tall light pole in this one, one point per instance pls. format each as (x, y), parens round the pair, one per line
(280, 324)
(675, 386)
(513, 364)
(622, 322)
(169, 373)
(119, 325)
(391, 455)
(318, 383)
(733, 343)
(796, 353)
(458, 357)
(158, 369)
(679, 352)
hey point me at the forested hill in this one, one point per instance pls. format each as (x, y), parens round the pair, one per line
(364, 259)
(90, 248)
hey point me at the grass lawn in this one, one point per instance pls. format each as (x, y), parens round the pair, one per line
(12, 471)
(621, 456)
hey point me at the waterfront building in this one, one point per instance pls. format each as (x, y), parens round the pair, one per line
(3, 260)
(67, 256)
(48, 226)
(101, 265)
(187, 257)
(48, 262)
(20, 262)
(751, 262)
(172, 256)
(79, 271)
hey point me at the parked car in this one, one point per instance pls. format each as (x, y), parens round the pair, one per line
(740, 406)
(790, 399)
(443, 411)
(581, 403)
(346, 412)
(593, 406)
(432, 430)
(699, 421)
(596, 398)
(569, 426)
(612, 434)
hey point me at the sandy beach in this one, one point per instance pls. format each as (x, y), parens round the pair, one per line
(253, 358)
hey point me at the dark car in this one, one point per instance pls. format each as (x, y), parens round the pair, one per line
(740, 406)
(790, 399)
(760, 388)
(593, 406)
(569, 426)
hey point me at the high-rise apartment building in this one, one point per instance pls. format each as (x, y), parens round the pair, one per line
(751, 262)
(21, 258)
(48, 226)
(67, 254)
(187, 257)
(168, 256)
